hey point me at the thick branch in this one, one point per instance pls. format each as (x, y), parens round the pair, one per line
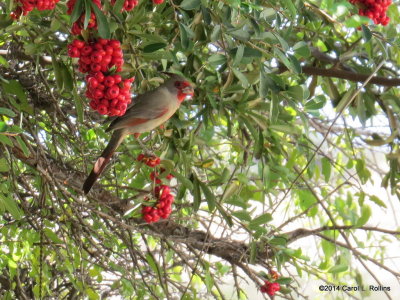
(351, 76)
(302, 232)
(232, 251)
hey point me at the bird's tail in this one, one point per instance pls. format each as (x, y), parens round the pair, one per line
(116, 139)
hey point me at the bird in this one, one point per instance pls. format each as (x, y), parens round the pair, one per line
(148, 111)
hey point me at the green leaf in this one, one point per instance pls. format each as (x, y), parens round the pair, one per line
(284, 128)
(301, 48)
(377, 201)
(284, 280)
(242, 215)
(295, 63)
(5, 20)
(238, 56)
(7, 112)
(67, 80)
(88, 12)
(260, 220)
(79, 106)
(154, 47)
(184, 36)
(365, 215)
(4, 167)
(205, 11)
(13, 87)
(290, 6)
(209, 281)
(57, 72)
(326, 168)
(366, 33)
(328, 248)
(196, 194)
(11, 206)
(23, 146)
(92, 294)
(182, 179)
(12, 264)
(118, 6)
(3, 62)
(153, 265)
(190, 4)
(239, 75)
(224, 214)
(52, 236)
(239, 34)
(102, 23)
(345, 101)
(210, 197)
(338, 269)
(77, 11)
(216, 60)
(288, 63)
(5, 140)
(215, 33)
(253, 252)
(306, 199)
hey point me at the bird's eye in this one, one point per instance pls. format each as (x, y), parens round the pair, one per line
(178, 84)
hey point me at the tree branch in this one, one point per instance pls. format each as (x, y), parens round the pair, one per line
(232, 251)
(342, 74)
(302, 232)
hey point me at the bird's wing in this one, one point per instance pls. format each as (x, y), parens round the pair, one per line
(149, 106)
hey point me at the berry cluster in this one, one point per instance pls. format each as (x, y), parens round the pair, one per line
(109, 93)
(151, 161)
(101, 55)
(25, 6)
(158, 1)
(270, 288)
(162, 193)
(373, 9)
(128, 4)
(77, 27)
(162, 209)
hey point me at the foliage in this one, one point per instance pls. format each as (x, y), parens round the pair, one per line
(278, 146)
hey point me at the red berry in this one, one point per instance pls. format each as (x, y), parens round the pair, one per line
(95, 67)
(148, 218)
(99, 76)
(86, 50)
(122, 106)
(98, 94)
(270, 288)
(101, 87)
(115, 44)
(96, 57)
(78, 44)
(73, 51)
(102, 109)
(109, 81)
(102, 42)
(117, 78)
(112, 92)
(93, 82)
(109, 50)
(93, 104)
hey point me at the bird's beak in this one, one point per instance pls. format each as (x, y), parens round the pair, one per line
(188, 90)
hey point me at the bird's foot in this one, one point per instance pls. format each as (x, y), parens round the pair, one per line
(146, 151)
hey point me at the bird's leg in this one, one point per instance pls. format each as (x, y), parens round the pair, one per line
(147, 151)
